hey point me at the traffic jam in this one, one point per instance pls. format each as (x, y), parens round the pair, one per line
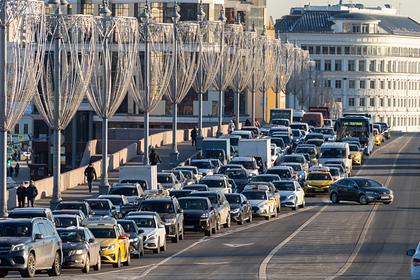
(251, 174)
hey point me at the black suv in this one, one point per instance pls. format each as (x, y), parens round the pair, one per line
(75, 205)
(171, 214)
(29, 245)
(200, 214)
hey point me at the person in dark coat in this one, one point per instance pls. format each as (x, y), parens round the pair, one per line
(31, 193)
(21, 195)
(247, 122)
(90, 174)
(194, 134)
(154, 158)
(17, 167)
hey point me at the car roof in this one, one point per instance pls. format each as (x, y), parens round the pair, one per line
(280, 167)
(66, 216)
(158, 199)
(71, 202)
(29, 210)
(335, 145)
(204, 193)
(218, 177)
(20, 220)
(106, 196)
(242, 159)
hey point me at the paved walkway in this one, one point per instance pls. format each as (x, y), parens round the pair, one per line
(81, 192)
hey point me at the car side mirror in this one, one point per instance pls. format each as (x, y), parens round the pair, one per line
(91, 240)
(212, 208)
(244, 203)
(38, 236)
(411, 252)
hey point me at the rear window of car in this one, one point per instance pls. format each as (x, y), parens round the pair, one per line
(157, 206)
(212, 197)
(27, 215)
(319, 177)
(213, 183)
(255, 195)
(193, 204)
(164, 178)
(127, 191)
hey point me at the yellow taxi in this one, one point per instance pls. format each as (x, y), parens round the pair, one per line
(378, 137)
(114, 242)
(356, 154)
(318, 180)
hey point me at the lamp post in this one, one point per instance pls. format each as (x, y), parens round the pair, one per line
(264, 86)
(222, 19)
(201, 17)
(146, 18)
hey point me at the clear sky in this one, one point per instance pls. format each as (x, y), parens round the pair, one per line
(278, 8)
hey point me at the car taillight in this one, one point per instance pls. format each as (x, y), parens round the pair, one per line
(416, 262)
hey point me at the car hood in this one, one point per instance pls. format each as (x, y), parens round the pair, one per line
(205, 171)
(319, 183)
(149, 231)
(8, 241)
(106, 241)
(74, 245)
(286, 193)
(377, 190)
(165, 217)
(193, 214)
(256, 203)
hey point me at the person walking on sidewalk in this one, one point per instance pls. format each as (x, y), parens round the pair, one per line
(231, 127)
(154, 157)
(21, 194)
(194, 134)
(90, 174)
(17, 167)
(31, 193)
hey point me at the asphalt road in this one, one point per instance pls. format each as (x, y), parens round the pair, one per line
(323, 241)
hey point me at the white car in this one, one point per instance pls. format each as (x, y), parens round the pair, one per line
(249, 163)
(205, 166)
(168, 181)
(150, 224)
(415, 262)
(263, 204)
(291, 194)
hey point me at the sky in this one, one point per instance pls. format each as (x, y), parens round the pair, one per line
(278, 8)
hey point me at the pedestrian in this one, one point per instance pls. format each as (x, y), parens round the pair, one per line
(257, 123)
(31, 193)
(17, 167)
(154, 158)
(21, 194)
(90, 174)
(247, 122)
(194, 134)
(10, 171)
(231, 127)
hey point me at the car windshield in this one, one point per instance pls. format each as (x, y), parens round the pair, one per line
(283, 173)
(74, 206)
(296, 133)
(319, 177)
(328, 131)
(354, 148)
(194, 170)
(72, 236)
(314, 136)
(143, 184)
(193, 204)
(187, 174)
(127, 226)
(127, 191)
(293, 159)
(103, 232)
(255, 195)
(65, 222)
(284, 186)
(333, 153)
(264, 178)
(211, 197)
(286, 138)
(202, 164)
(302, 150)
(298, 126)
(236, 174)
(143, 222)
(116, 200)
(157, 206)
(164, 179)
(296, 167)
(213, 154)
(15, 229)
(368, 184)
(334, 172)
(280, 122)
(247, 164)
(233, 198)
(195, 188)
(27, 215)
(99, 205)
(213, 183)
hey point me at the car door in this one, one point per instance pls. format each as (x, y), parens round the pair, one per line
(225, 207)
(38, 245)
(161, 230)
(353, 191)
(246, 206)
(180, 215)
(49, 244)
(344, 189)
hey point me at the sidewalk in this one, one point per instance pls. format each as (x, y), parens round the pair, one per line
(81, 192)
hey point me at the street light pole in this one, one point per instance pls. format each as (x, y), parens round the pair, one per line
(264, 87)
(222, 18)
(253, 82)
(201, 17)
(3, 104)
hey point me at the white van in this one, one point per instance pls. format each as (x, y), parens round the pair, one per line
(336, 151)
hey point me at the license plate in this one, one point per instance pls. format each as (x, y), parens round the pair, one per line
(385, 197)
(188, 227)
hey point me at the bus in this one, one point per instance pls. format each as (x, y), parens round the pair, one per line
(357, 126)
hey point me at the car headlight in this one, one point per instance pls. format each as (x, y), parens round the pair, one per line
(18, 247)
(235, 211)
(110, 247)
(132, 240)
(151, 238)
(290, 197)
(76, 252)
(205, 215)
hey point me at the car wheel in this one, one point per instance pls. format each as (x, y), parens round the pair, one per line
(163, 249)
(334, 198)
(157, 250)
(296, 205)
(175, 239)
(128, 262)
(214, 229)
(241, 220)
(268, 217)
(227, 224)
(98, 265)
(275, 213)
(208, 232)
(218, 225)
(86, 269)
(363, 199)
(30, 270)
(118, 264)
(56, 267)
(138, 254)
(3, 273)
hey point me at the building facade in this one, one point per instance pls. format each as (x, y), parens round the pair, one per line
(369, 58)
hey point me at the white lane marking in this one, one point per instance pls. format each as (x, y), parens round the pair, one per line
(262, 272)
(365, 230)
(212, 263)
(237, 245)
(152, 267)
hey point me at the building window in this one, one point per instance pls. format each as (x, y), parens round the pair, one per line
(372, 102)
(356, 28)
(338, 65)
(120, 10)
(327, 65)
(382, 103)
(324, 50)
(362, 102)
(311, 49)
(318, 65)
(389, 102)
(332, 50)
(17, 128)
(352, 84)
(389, 84)
(318, 50)
(87, 7)
(351, 101)
(365, 28)
(372, 85)
(372, 66)
(382, 84)
(25, 128)
(339, 50)
(362, 65)
(338, 84)
(362, 84)
(351, 65)
(347, 50)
